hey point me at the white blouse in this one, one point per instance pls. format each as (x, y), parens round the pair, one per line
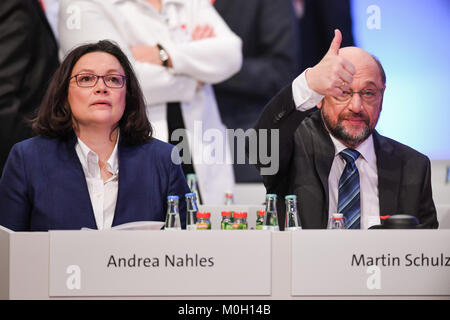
(103, 194)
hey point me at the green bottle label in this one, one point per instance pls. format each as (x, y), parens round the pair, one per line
(203, 226)
(259, 223)
(273, 221)
(237, 226)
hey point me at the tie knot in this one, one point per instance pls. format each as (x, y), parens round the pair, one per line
(349, 155)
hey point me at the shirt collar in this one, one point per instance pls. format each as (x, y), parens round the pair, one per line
(113, 161)
(366, 149)
(89, 159)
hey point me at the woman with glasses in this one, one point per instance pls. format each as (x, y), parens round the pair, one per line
(178, 49)
(94, 162)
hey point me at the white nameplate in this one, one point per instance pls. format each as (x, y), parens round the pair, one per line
(121, 263)
(371, 262)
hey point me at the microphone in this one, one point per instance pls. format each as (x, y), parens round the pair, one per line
(398, 221)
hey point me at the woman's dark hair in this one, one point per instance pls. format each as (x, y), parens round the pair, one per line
(54, 118)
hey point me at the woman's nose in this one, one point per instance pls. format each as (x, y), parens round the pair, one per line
(100, 86)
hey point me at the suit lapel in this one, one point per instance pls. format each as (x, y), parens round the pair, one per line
(323, 157)
(45, 22)
(127, 177)
(388, 166)
(389, 175)
(74, 173)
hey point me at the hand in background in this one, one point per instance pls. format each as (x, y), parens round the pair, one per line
(203, 32)
(145, 53)
(150, 54)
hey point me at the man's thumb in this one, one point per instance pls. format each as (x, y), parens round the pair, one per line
(335, 43)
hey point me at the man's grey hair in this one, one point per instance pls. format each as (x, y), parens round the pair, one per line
(380, 67)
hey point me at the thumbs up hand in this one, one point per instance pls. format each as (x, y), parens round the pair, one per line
(333, 74)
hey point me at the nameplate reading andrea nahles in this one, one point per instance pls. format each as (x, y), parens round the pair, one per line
(409, 260)
(169, 260)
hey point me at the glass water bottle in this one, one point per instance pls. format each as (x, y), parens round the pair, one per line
(192, 209)
(271, 216)
(173, 214)
(292, 221)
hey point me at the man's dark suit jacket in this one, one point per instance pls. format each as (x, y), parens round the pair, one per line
(43, 186)
(28, 59)
(306, 156)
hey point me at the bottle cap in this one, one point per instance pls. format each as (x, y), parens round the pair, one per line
(226, 213)
(190, 194)
(291, 196)
(240, 215)
(191, 176)
(337, 216)
(228, 195)
(172, 197)
(271, 195)
(260, 212)
(203, 214)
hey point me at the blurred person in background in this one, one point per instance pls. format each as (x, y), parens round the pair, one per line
(178, 49)
(270, 44)
(51, 8)
(317, 20)
(28, 58)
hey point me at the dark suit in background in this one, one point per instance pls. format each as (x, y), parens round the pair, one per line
(316, 26)
(306, 156)
(270, 44)
(28, 59)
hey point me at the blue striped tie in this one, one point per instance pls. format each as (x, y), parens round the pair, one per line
(349, 200)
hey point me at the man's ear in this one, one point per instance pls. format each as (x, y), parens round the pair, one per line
(382, 97)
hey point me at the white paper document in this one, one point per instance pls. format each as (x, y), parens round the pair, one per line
(136, 225)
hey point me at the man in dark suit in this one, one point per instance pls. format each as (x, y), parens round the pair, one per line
(28, 59)
(347, 86)
(270, 44)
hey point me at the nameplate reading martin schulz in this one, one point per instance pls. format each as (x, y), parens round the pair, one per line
(371, 262)
(160, 263)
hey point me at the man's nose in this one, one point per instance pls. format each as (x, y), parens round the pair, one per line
(355, 104)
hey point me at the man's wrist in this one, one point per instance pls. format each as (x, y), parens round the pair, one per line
(304, 97)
